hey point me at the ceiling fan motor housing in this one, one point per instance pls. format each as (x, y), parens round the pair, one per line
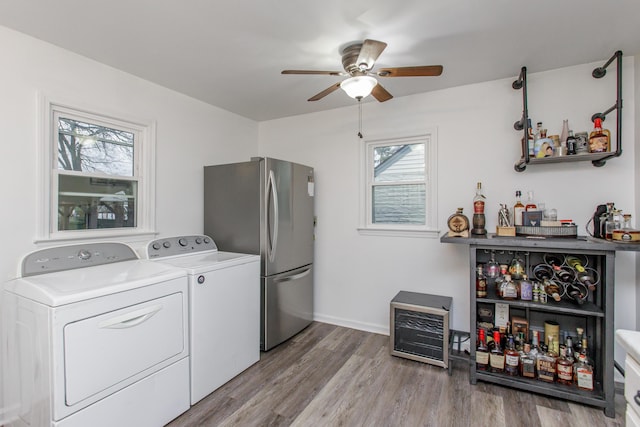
(350, 58)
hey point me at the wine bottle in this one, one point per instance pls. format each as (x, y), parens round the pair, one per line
(575, 263)
(574, 293)
(586, 278)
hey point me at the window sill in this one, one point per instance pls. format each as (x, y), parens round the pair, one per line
(105, 235)
(391, 232)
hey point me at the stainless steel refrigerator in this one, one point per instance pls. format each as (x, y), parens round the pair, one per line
(265, 207)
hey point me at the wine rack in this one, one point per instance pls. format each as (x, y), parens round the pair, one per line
(595, 315)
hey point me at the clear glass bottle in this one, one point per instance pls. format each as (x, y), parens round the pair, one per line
(518, 208)
(516, 268)
(584, 373)
(564, 134)
(509, 290)
(511, 358)
(496, 355)
(482, 352)
(478, 212)
(526, 289)
(531, 204)
(493, 268)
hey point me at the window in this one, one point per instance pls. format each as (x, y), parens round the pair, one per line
(399, 185)
(97, 175)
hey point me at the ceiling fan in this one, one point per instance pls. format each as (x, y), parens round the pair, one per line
(358, 60)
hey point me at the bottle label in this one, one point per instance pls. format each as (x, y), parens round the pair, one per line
(528, 368)
(510, 360)
(478, 207)
(481, 288)
(585, 378)
(546, 370)
(526, 293)
(497, 361)
(482, 357)
(517, 215)
(510, 291)
(565, 372)
(599, 144)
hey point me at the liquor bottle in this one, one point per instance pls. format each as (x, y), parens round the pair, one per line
(599, 139)
(496, 356)
(530, 138)
(577, 347)
(509, 291)
(516, 268)
(526, 289)
(492, 267)
(584, 373)
(482, 352)
(568, 343)
(547, 363)
(535, 343)
(481, 283)
(571, 143)
(531, 205)
(478, 212)
(564, 368)
(527, 363)
(511, 358)
(518, 208)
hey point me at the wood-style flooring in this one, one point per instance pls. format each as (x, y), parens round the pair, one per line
(334, 376)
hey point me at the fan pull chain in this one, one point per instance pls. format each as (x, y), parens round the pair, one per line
(360, 117)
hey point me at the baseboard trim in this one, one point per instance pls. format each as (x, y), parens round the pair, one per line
(347, 323)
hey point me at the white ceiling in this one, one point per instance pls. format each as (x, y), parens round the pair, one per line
(230, 54)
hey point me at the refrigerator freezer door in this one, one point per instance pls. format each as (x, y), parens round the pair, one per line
(286, 305)
(287, 226)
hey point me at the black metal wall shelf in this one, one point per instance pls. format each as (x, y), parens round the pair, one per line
(597, 159)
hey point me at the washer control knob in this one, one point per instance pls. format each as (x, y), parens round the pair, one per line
(182, 242)
(156, 246)
(201, 279)
(198, 240)
(84, 254)
(206, 240)
(167, 244)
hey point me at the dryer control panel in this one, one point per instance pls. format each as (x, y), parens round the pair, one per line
(61, 258)
(180, 245)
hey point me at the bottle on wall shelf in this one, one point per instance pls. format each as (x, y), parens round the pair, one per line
(478, 212)
(599, 139)
(565, 132)
(571, 144)
(530, 138)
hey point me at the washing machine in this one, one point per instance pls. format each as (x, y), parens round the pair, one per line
(224, 308)
(95, 336)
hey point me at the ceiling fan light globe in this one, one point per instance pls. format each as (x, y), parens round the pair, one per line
(359, 86)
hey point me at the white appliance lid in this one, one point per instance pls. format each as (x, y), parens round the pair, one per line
(69, 286)
(208, 261)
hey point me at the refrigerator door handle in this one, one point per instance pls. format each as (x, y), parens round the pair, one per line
(273, 237)
(294, 277)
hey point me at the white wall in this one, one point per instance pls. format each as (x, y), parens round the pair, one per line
(190, 134)
(357, 275)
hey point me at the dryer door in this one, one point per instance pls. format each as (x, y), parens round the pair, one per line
(106, 349)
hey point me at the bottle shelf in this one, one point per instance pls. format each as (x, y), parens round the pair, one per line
(566, 392)
(597, 159)
(595, 316)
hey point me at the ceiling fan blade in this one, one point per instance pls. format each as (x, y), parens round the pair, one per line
(326, 73)
(325, 92)
(381, 93)
(424, 70)
(369, 53)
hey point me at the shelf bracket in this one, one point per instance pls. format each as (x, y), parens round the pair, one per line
(598, 73)
(521, 83)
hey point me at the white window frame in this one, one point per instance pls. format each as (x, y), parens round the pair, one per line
(143, 174)
(430, 228)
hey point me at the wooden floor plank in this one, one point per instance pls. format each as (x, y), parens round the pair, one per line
(333, 376)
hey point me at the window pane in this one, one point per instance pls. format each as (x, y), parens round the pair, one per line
(399, 204)
(93, 148)
(90, 203)
(398, 163)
